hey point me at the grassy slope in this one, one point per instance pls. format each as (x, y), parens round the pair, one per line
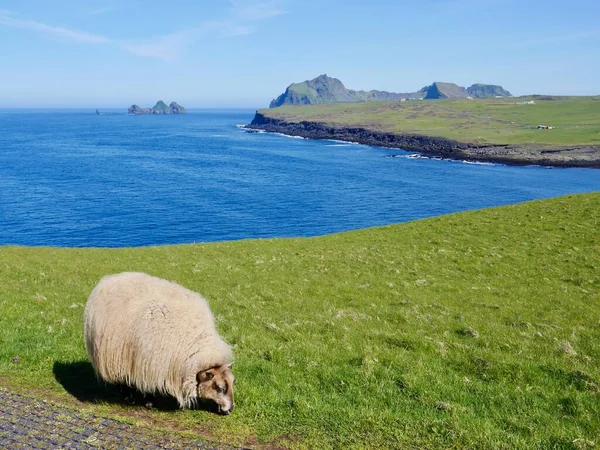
(304, 89)
(486, 121)
(474, 330)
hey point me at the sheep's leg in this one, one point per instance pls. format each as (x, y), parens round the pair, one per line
(127, 393)
(128, 396)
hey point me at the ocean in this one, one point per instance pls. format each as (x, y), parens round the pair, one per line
(72, 178)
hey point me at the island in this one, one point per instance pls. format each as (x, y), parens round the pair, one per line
(534, 130)
(158, 109)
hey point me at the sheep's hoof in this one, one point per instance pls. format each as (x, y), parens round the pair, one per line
(149, 405)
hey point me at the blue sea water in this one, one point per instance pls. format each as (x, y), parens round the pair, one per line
(73, 178)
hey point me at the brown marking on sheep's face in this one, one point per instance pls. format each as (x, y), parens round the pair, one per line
(216, 384)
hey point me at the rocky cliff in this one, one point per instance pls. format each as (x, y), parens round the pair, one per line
(577, 156)
(314, 130)
(176, 108)
(487, 90)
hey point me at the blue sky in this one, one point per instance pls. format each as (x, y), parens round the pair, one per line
(243, 53)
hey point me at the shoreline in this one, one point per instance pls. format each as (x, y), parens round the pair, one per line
(509, 154)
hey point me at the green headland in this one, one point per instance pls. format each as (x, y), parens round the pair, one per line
(547, 130)
(476, 330)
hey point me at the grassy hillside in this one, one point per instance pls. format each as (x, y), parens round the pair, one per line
(576, 120)
(473, 330)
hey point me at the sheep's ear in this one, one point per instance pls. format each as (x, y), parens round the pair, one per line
(228, 366)
(204, 376)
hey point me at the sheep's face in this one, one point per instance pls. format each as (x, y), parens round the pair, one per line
(216, 384)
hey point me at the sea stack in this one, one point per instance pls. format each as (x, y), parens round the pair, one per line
(159, 109)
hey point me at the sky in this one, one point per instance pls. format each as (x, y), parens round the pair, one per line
(243, 53)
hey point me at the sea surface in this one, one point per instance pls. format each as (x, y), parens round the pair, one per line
(76, 179)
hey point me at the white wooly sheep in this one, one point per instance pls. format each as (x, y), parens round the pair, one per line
(159, 337)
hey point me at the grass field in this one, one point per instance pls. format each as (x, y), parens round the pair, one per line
(473, 330)
(575, 120)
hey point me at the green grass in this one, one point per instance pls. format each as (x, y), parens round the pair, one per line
(473, 330)
(576, 120)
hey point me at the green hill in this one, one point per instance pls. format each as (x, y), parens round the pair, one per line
(440, 90)
(476, 330)
(444, 90)
(324, 89)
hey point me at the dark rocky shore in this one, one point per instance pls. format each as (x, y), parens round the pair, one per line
(436, 146)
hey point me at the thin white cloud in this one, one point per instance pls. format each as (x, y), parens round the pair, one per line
(243, 18)
(252, 11)
(580, 36)
(168, 47)
(100, 10)
(79, 36)
(224, 28)
(241, 21)
(459, 6)
(172, 47)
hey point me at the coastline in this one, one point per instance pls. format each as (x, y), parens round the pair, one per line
(431, 146)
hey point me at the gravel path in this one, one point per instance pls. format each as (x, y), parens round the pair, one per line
(29, 423)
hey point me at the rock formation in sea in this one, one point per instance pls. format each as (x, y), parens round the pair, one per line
(158, 109)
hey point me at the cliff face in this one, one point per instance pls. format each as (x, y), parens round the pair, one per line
(435, 146)
(177, 108)
(158, 109)
(136, 110)
(487, 90)
(444, 90)
(313, 130)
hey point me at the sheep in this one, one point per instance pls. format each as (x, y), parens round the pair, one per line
(159, 337)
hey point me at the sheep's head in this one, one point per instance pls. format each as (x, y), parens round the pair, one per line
(216, 384)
